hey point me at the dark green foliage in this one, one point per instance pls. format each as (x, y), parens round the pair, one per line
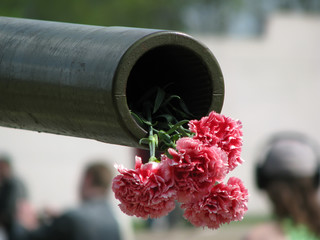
(161, 117)
(214, 16)
(139, 13)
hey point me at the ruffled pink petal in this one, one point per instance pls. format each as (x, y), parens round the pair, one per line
(147, 191)
(223, 204)
(196, 167)
(221, 131)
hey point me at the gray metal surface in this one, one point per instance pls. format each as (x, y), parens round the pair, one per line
(78, 80)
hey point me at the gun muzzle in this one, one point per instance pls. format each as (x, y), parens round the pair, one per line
(79, 80)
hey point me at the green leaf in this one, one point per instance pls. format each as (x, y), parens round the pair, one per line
(137, 117)
(175, 137)
(176, 126)
(140, 119)
(163, 112)
(144, 141)
(170, 98)
(180, 113)
(163, 136)
(159, 99)
(147, 106)
(168, 117)
(185, 108)
(183, 132)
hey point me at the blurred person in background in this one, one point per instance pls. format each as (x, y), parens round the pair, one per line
(92, 220)
(15, 209)
(289, 173)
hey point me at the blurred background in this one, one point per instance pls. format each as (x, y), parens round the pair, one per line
(269, 53)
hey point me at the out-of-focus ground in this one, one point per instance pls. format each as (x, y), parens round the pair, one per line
(227, 232)
(272, 84)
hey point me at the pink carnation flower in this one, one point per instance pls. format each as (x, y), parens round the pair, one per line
(196, 167)
(223, 204)
(147, 191)
(224, 132)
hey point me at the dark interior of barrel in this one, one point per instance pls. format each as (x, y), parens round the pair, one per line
(177, 69)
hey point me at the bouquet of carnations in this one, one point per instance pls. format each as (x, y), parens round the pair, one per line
(191, 170)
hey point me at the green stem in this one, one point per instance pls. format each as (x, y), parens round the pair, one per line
(152, 139)
(152, 145)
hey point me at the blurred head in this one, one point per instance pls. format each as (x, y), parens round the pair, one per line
(289, 172)
(288, 156)
(96, 180)
(5, 167)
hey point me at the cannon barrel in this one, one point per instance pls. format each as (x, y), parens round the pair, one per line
(79, 80)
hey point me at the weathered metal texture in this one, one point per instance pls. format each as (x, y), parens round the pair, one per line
(78, 80)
